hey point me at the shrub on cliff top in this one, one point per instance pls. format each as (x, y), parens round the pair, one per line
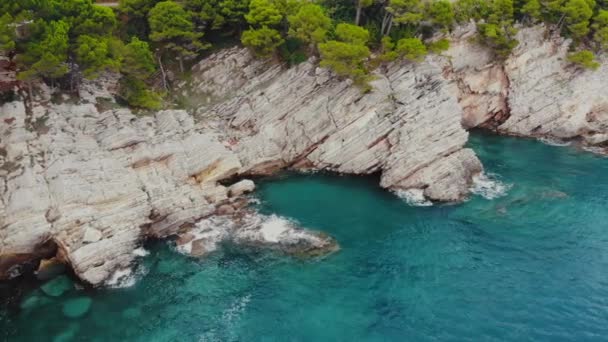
(584, 59)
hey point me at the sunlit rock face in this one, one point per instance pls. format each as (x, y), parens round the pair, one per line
(96, 183)
(535, 92)
(408, 127)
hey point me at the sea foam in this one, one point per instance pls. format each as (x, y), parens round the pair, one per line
(413, 197)
(488, 186)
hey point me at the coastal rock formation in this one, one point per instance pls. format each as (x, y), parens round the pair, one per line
(549, 97)
(254, 229)
(85, 186)
(408, 128)
(481, 85)
(94, 183)
(536, 92)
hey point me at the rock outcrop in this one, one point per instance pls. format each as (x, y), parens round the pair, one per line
(94, 183)
(408, 128)
(536, 92)
(88, 185)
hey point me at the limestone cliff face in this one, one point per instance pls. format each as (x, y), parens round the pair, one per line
(97, 183)
(408, 128)
(534, 93)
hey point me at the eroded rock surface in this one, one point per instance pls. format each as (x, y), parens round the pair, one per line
(408, 128)
(95, 183)
(536, 92)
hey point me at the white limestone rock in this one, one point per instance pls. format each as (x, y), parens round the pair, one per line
(97, 183)
(305, 117)
(550, 97)
(536, 93)
(241, 187)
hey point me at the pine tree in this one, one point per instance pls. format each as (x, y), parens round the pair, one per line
(172, 27)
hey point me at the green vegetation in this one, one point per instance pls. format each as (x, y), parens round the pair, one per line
(347, 54)
(411, 49)
(584, 59)
(61, 41)
(172, 28)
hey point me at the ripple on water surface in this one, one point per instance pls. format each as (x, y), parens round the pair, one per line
(526, 258)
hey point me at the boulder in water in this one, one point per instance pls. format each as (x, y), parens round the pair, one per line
(34, 300)
(241, 188)
(57, 286)
(77, 307)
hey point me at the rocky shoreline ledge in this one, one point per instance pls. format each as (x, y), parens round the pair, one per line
(87, 186)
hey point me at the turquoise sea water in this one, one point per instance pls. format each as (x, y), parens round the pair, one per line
(531, 265)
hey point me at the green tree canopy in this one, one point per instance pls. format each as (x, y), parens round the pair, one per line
(138, 61)
(172, 27)
(262, 41)
(406, 12)
(600, 26)
(353, 34)
(584, 59)
(94, 54)
(310, 24)
(100, 21)
(207, 13)
(234, 10)
(263, 13)
(7, 33)
(47, 58)
(441, 13)
(411, 49)
(347, 55)
(577, 14)
(497, 31)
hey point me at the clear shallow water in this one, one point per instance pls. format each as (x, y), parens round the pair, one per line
(531, 265)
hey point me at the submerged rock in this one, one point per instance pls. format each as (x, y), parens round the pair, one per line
(34, 300)
(254, 229)
(77, 307)
(57, 286)
(282, 234)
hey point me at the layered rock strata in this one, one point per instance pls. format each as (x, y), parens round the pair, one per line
(407, 128)
(88, 185)
(535, 92)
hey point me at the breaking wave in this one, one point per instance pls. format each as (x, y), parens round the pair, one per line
(126, 277)
(488, 186)
(554, 141)
(414, 197)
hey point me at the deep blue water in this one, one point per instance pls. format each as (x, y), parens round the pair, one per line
(531, 265)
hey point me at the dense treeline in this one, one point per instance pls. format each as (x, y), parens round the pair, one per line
(61, 40)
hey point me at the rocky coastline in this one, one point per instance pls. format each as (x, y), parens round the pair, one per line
(85, 186)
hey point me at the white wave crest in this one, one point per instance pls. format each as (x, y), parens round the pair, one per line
(141, 252)
(273, 227)
(413, 197)
(554, 142)
(210, 232)
(126, 277)
(488, 186)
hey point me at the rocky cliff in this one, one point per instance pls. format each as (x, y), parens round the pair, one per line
(89, 185)
(536, 92)
(96, 183)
